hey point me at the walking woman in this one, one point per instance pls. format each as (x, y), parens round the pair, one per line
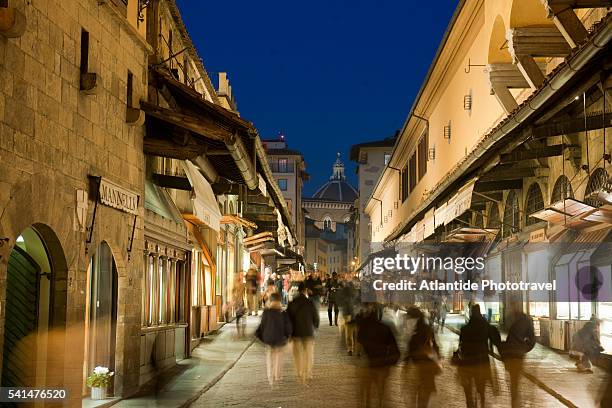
(274, 331)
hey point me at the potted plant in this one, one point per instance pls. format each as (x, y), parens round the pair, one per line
(99, 380)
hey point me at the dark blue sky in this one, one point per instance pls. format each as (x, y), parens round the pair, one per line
(327, 73)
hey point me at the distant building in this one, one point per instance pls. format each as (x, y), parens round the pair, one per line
(329, 210)
(289, 170)
(371, 158)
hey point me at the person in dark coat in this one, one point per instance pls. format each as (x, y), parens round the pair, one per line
(475, 369)
(348, 303)
(378, 343)
(586, 340)
(424, 353)
(274, 331)
(520, 340)
(332, 285)
(304, 319)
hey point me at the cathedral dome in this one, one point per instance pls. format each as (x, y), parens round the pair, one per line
(337, 188)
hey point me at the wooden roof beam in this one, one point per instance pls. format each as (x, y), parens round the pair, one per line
(486, 186)
(566, 20)
(536, 153)
(557, 128)
(508, 173)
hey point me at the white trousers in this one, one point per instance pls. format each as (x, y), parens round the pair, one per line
(274, 363)
(303, 354)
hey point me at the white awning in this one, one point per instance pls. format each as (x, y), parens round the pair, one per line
(204, 202)
(460, 202)
(429, 224)
(440, 215)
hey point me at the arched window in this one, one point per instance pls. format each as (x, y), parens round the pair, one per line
(478, 221)
(327, 223)
(493, 219)
(598, 178)
(534, 203)
(511, 215)
(561, 190)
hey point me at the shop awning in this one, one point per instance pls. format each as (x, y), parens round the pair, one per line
(204, 203)
(429, 224)
(574, 213)
(460, 202)
(469, 234)
(158, 201)
(237, 220)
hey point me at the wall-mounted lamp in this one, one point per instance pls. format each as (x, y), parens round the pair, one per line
(447, 131)
(467, 102)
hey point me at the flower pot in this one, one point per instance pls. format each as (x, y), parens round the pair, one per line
(98, 393)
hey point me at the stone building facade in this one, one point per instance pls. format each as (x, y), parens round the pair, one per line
(63, 135)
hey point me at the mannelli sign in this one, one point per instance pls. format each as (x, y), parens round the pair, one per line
(118, 197)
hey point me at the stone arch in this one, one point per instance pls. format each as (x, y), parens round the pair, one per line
(534, 202)
(49, 293)
(561, 190)
(498, 51)
(493, 220)
(511, 220)
(598, 178)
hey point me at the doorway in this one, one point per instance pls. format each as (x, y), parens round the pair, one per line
(101, 312)
(34, 327)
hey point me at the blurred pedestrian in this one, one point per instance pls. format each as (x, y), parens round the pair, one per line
(443, 311)
(239, 309)
(473, 356)
(332, 286)
(304, 319)
(586, 341)
(278, 283)
(252, 290)
(270, 289)
(274, 331)
(520, 341)
(424, 353)
(348, 303)
(380, 348)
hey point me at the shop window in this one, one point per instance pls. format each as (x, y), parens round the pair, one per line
(598, 179)
(511, 215)
(534, 203)
(150, 285)
(561, 190)
(162, 266)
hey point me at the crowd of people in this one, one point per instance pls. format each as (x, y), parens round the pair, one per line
(294, 318)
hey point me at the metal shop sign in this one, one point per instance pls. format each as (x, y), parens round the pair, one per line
(118, 197)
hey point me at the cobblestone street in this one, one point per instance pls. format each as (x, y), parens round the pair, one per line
(336, 381)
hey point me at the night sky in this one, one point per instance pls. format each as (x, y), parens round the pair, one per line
(325, 73)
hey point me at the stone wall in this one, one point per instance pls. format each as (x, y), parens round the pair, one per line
(52, 136)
